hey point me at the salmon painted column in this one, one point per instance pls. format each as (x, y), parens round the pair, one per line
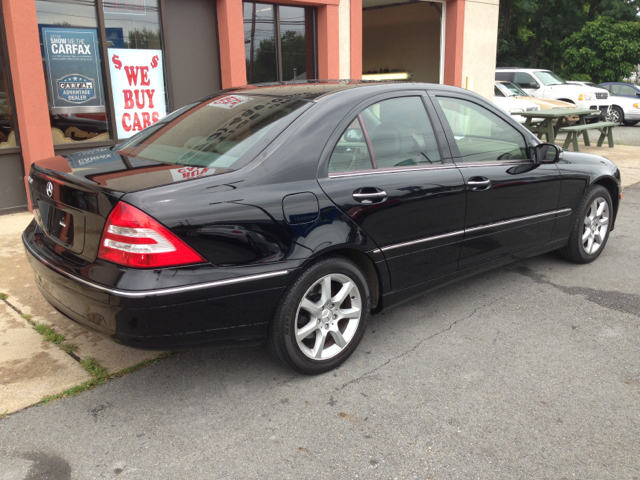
(328, 47)
(29, 87)
(233, 67)
(454, 40)
(356, 39)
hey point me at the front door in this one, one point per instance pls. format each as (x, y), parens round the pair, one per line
(388, 173)
(511, 199)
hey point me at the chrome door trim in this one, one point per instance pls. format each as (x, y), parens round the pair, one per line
(562, 212)
(156, 292)
(423, 240)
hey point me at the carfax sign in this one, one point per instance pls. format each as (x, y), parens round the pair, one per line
(73, 69)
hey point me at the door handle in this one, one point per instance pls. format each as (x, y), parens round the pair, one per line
(478, 184)
(369, 195)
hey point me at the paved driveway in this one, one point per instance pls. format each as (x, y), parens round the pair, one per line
(529, 371)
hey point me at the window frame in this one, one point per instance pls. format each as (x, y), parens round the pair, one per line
(453, 146)
(356, 111)
(12, 103)
(278, 38)
(106, 81)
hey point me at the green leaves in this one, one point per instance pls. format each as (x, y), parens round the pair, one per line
(607, 50)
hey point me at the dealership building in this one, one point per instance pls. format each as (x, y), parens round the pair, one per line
(84, 74)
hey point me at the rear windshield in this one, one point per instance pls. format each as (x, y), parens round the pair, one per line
(224, 132)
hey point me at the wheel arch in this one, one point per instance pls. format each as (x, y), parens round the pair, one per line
(612, 186)
(568, 100)
(365, 263)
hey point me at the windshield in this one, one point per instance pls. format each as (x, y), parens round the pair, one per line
(224, 132)
(515, 90)
(550, 78)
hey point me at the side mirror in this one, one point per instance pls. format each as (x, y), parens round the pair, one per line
(637, 94)
(547, 153)
(533, 85)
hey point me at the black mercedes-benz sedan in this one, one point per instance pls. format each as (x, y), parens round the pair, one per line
(292, 212)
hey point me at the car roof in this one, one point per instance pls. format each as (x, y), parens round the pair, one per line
(314, 90)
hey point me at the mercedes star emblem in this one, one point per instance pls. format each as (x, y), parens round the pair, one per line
(49, 188)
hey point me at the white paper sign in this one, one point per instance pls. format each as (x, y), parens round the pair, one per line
(229, 101)
(190, 172)
(137, 83)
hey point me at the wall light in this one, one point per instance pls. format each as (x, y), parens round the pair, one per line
(382, 77)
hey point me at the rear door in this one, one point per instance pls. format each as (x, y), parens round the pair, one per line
(511, 199)
(389, 169)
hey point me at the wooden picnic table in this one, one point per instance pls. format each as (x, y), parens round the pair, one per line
(548, 116)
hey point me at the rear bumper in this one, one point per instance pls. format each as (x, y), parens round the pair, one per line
(231, 310)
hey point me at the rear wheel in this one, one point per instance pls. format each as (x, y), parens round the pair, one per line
(591, 227)
(322, 317)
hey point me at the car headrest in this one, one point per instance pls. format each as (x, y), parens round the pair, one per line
(392, 138)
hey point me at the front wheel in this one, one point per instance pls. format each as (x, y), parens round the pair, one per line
(322, 317)
(591, 226)
(616, 115)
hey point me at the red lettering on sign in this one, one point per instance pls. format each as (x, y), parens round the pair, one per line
(126, 117)
(146, 119)
(150, 93)
(136, 123)
(132, 75)
(128, 99)
(155, 116)
(144, 74)
(139, 101)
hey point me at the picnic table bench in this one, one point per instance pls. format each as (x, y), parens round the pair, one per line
(546, 119)
(573, 132)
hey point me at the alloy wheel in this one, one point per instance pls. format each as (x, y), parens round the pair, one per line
(328, 316)
(596, 224)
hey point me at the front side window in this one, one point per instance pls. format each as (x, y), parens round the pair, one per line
(627, 90)
(279, 42)
(73, 70)
(480, 135)
(389, 134)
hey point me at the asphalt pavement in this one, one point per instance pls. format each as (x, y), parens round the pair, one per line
(529, 371)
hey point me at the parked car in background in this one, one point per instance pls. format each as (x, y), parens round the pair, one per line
(546, 84)
(512, 91)
(625, 99)
(512, 104)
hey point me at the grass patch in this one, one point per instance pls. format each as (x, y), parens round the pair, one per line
(4, 414)
(101, 376)
(3, 296)
(26, 316)
(48, 333)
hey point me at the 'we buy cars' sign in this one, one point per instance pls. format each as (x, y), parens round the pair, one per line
(137, 83)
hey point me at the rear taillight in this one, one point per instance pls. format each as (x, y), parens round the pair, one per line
(134, 239)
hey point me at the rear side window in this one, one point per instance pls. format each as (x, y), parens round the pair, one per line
(389, 134)
(224, 133)
(351, 152)
(480, 135)
(523, 80)
(503, 76)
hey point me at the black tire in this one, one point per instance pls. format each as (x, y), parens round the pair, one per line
(575, 251)
(630, 123)
(289, 316)
(616, 115)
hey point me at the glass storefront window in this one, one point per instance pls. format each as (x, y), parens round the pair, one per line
(279, 42)
(73, 70)
(7, 121)
(297, 43)
(136, 63)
